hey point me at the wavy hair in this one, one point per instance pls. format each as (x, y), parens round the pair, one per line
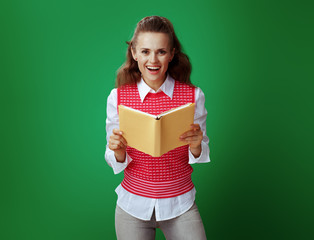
(179, 68)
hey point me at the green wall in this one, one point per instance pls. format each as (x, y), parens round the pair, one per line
(253, 60)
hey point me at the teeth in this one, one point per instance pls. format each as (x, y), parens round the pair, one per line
(153, 68)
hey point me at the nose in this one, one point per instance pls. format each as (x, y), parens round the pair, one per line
(153, 57)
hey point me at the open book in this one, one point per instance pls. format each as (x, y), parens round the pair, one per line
(155, 135)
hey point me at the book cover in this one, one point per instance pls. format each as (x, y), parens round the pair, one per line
(155, 135)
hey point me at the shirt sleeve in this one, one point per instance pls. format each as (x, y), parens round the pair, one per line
(112, 122)
(200, 118)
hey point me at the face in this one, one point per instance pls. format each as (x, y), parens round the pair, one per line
(153, 55)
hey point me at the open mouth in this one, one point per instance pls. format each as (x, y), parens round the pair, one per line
(153, 69)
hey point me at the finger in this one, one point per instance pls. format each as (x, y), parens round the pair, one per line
(195, 127)
(189, 134)
(117, 131)
(118, 143)
(194, 139)
(118, 138)
(115, 147)
(123, 141)
(117, 134)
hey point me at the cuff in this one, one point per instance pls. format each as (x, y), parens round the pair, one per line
(204, 156)
(119, 166)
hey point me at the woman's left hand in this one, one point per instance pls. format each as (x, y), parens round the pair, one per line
(194, 138)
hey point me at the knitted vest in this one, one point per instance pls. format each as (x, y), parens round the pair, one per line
(157, 177)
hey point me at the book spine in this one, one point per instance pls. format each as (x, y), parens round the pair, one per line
(157, 131)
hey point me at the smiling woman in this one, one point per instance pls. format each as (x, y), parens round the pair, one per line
(153, 53)
(156, 191)
(166, 45)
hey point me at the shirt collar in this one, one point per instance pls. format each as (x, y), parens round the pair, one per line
(167, 87)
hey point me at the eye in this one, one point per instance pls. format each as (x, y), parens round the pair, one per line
(144, 51)
(162, 52)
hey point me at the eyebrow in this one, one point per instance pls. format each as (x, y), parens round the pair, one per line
(157, 49)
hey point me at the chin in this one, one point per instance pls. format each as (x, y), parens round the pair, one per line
(155, 79)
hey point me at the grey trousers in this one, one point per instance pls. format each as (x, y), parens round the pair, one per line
(188, 226)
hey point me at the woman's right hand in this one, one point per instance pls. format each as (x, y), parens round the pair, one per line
(118, 144)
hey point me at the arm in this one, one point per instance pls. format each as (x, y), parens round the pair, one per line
(197, 138)
(119, 161)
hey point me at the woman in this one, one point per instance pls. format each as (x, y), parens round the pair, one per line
(156, 191)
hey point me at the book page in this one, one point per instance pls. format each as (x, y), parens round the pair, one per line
(139, 111)
(138, 129)
(173, 125)
(173, 110)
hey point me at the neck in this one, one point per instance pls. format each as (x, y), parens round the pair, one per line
(155, 85)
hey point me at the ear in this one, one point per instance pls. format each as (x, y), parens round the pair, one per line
(134, 55)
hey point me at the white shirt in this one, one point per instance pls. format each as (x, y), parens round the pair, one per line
(143, 207)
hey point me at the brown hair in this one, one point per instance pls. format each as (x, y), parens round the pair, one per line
(179, 68)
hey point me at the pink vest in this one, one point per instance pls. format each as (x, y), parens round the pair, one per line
(157, 177)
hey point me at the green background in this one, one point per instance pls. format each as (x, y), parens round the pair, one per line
(253, 60)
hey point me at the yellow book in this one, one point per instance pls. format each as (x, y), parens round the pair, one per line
(155, 135)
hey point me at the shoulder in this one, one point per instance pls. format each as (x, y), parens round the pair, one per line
(199, 93)
(127, 86)
(112, 105)
(113, 93)
(112, 97)
(199, 96)
(181, 85)
(126, 89)
(198, 90)
(200, 109)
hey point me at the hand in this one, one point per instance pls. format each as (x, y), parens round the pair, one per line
(194, 138)
(118, 144)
